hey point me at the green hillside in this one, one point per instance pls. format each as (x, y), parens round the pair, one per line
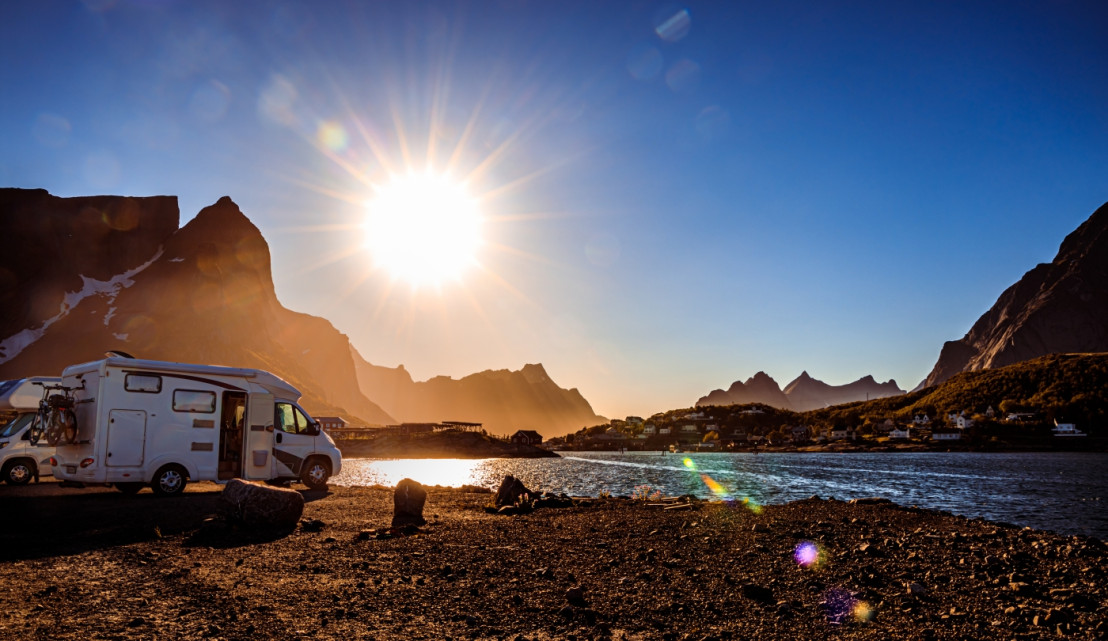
(1067, 387)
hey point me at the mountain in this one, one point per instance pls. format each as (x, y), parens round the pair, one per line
(202, 293)
(806, 393)
(80, 276)
(1057, 307)
(760, 388)
(803, 394)
(502, 400)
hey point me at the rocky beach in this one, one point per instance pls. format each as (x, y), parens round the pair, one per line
(93, 563)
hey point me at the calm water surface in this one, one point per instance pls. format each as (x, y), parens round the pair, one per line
(1063, 492)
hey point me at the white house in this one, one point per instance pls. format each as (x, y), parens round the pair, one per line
(946, 435)
(663, 430)
(921, 419)
(900, 431)
(960, 420)
(688, 429)
(649, 429)
(634, 420)
(1066, 429)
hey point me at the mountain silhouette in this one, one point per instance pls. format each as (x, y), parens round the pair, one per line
(802, 394)
(502, 400)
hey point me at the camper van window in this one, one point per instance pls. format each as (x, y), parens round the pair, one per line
(143, 383)
(290, 419)
(187, 400)
(17, 423)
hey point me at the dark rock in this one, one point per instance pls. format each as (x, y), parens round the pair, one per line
(260, 506)
(758, 593)
(312, 525)
(511, 491)
(576, 596)
(408, 500)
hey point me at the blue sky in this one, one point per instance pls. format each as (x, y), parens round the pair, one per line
(676, 195)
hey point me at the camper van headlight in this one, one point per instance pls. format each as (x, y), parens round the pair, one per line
(87, 462)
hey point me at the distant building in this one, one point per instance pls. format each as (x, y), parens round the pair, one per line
(328, 423)
(649, 429)
(1066, 429)
(527, 437)
(946, 435)
(900, 431)
(688, 429)
(921, 419)
(664, 430)
(634, 420)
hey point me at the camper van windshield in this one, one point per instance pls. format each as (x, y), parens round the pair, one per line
(16, 424)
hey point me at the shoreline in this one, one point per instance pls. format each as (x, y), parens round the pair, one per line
(105, 565)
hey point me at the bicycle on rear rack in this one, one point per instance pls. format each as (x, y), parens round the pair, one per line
(55, 420)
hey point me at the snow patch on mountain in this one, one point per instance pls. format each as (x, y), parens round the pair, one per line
(11, 346)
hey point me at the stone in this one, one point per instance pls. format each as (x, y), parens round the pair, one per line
(916, 589)
(576, 596)
(408, 500)
(758, 593)
(511, 491)
(260, 506)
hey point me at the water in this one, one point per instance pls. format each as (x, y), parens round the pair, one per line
(1062, 492)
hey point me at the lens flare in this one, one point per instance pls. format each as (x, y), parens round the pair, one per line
(863, 612)
(332, 135)
(807, 554)
(715, 487)
(689, 463)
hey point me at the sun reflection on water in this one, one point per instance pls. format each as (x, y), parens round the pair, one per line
(451, 472)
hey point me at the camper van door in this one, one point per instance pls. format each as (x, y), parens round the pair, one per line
(258, 453)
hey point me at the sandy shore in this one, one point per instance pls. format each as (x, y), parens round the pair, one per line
(82, 564)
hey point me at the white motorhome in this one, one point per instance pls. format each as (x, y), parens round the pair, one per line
(21, 460)
(161, 424)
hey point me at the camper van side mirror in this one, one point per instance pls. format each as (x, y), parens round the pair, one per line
(313, 428)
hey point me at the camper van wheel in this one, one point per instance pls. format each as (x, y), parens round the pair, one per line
(315, 474)
(169, 481)
(129, 489)
(19, 471)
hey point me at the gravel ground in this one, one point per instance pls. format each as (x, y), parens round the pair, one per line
(95, 564)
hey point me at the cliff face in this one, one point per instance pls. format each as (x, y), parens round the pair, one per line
(1057, 307)
(53, 246)
(502, 400)
(201, 294)
(807, 393)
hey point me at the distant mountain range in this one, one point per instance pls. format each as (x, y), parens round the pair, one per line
(802, 394)
(1057, 307)
(80, 276)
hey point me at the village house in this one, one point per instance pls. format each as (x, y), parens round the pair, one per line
(900, 432)
(689, 429)
(649, 429)
(634, 420)
(664, 430)
(527, 437)
(328, 423)
(799, 433)
(885, 426)
(838, 433)
(921, 419)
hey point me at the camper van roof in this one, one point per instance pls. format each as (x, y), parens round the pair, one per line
(271, 382)
(22, 393)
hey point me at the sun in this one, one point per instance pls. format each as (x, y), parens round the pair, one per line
(423, 228)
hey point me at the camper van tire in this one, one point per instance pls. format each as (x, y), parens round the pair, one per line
(19, 471)
(130, 489)
(169, 480)
(316, 473)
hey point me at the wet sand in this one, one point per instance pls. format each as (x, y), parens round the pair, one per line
(94, 563)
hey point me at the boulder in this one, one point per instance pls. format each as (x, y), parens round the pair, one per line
(260, 506)
(511, 489)
(408, 500)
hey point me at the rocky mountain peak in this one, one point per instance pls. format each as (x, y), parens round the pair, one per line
(1057, 307)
